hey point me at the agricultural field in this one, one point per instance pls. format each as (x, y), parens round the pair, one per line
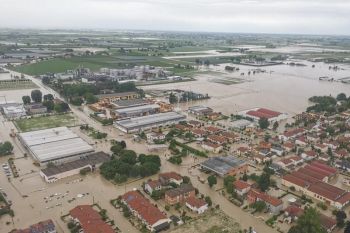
(45, 122)
(16, 85)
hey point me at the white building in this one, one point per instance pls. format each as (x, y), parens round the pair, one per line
(56, 145)
(196, 205)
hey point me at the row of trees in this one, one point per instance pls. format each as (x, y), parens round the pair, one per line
(47, 101)
(329, 104)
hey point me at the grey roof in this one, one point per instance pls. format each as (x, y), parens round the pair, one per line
(55, 143)
(143, 121)
(129, 103)
(91, 159)
(222, 165)
(182, 189)
(121, 94)
(199, 108)
(137, 109)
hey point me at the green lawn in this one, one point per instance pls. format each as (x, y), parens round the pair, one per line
(45, 122)
(58, 65)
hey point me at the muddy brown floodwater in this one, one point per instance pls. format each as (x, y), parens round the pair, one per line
(283, 88)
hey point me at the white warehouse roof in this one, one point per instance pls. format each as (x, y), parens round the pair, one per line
(54, 144)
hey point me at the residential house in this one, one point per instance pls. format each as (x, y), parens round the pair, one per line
(215, 148)
(152, 185)
(230, 137)
(213, 130)
(241, 187)
(198, 133)
(277, 150)
(274, 205)
(309, 155)
(144, 210)
(196, 205)
(180, 194)
(301, 141)
(46, 226)
(194, 124)
(291, 134)
(288, 146)
(216, 139)
(170, 177)
(323, 148)
(89, 220)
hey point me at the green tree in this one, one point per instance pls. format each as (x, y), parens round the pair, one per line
(308, 222)
(208, 201)
(26, 99)
(275, 125)
(259, 206)
(263, 123)
(118, 178)
(48, 97)
(90, 98)
(212, 180)
(264, 181)
(341, 97)
(36, 96)
(347, 227)
(6, 148)
(172, 98)
(49, 105)
(340, 217)
(228, 184)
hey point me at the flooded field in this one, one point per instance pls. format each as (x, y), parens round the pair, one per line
(283, 88)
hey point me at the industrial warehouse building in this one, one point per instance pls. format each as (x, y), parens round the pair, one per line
(258, 113)
(148, 122)
(137, 111)
(56, 145)
(224, 166)
(91, 161)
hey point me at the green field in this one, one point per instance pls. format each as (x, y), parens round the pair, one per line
(16, 84)
(95, 62)
(45, 122)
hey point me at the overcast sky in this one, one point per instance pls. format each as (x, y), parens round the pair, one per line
(261, 16)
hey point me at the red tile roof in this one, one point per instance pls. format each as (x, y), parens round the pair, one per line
(217, 139)
(212, 145)
(143, 207)
(265, 197)
(170, 175)
(90, 220)
(40, 227)
(240, 184)
(153, 183)
(195, 202)
(294, 132)
(324, 167)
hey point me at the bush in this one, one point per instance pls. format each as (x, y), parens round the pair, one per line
(84, 171)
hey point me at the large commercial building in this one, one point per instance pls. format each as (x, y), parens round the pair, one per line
(56, 145)
(147, 122)
(311, 182)
(224, 166)
(91, 162)
(258, 113)
(137, 111)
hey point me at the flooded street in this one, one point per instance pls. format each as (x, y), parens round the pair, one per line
(283, 88)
